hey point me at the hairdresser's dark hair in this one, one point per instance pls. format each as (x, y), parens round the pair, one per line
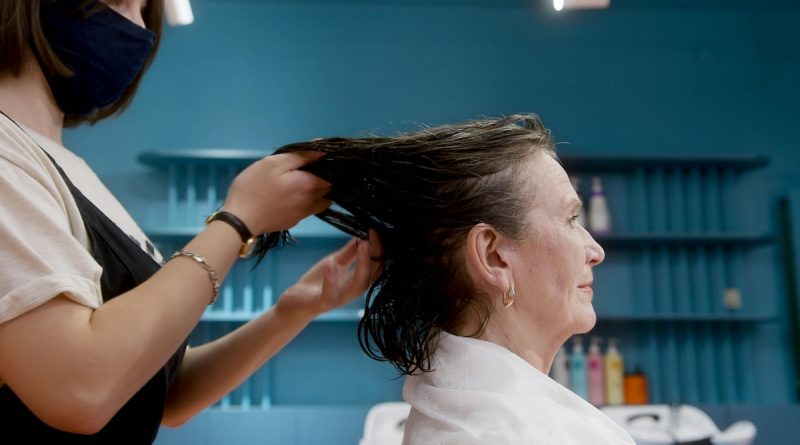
(22, 37)
(422, 192)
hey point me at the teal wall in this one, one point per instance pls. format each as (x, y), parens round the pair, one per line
(649, 76)
(258, 73)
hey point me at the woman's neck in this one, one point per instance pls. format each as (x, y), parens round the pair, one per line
(521, 343)
(516, 333)
(28, 100)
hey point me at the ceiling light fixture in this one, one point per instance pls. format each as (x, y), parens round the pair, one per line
(558, 5)
(179, 12)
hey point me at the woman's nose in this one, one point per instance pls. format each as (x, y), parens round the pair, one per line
(594, 252)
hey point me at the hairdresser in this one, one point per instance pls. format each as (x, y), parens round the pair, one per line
(93, 323)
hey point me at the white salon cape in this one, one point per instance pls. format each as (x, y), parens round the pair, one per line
(480, 393)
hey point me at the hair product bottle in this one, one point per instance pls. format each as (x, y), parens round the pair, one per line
(560, 369)
(635, 384)
(613, 374)
(577, 369)
(594, 366)
(599, 216)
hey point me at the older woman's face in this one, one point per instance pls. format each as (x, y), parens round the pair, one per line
(552, 266)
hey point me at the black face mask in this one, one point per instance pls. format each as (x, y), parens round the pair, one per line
(104, 50)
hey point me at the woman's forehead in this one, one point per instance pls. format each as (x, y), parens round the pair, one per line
(548, 180)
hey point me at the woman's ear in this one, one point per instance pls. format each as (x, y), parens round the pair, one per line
(486, 261)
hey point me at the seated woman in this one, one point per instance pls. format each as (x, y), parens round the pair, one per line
(486, 274)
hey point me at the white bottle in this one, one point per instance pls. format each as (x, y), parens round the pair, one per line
(560, 369)
(576, 183)
(599, 216)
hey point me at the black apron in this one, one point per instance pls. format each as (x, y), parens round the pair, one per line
(125, 266)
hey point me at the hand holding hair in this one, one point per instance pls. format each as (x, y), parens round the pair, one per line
(335, 280)
(272, 194)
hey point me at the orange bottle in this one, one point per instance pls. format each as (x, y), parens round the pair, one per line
(635, 384)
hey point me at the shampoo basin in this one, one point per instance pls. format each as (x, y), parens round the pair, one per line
(677, 424)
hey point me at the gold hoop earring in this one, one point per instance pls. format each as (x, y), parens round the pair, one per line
(509, 296)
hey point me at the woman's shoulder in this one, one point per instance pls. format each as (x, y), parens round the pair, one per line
(27, 153)
(24, 164)
(16, 146)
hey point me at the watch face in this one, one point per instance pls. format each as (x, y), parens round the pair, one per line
(248, 247)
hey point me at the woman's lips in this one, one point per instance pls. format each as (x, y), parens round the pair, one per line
(587, 287)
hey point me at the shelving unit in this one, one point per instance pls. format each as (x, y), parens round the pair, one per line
(679, 242)
(733, 239)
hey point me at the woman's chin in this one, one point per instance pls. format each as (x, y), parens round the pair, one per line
(586, 321)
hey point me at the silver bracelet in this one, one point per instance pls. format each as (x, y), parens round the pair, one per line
(212, 274)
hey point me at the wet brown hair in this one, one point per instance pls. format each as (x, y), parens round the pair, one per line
(21, 36)
(422, 192)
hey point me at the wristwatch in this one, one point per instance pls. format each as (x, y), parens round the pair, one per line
(248, 239)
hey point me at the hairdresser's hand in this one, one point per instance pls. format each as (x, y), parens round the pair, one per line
(335, 280)
(272, 194)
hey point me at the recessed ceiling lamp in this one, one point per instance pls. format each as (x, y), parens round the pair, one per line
(558, 5)
(179, 12)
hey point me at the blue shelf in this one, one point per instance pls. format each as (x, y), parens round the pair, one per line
(346, 315)
(301, 232)
(686, 317)
(575, 163)
(231, 316)
(209, 156)
(354, 315)
(339, 315)
(685, 239)
(317, 231)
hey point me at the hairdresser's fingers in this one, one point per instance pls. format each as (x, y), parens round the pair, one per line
(355, 275)
(316, 274)
(307, 182)
(293, 161)
(364, 265)
(330, 286)
(334, 293)
(349, 286)
(345, 255)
